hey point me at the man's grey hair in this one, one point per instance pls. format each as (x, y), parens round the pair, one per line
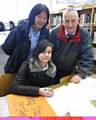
(70, 9)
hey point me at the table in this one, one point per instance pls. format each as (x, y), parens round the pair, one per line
(28, 106)
(33, 106)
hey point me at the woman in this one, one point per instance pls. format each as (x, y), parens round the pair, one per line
(22, 40)
(36, 73)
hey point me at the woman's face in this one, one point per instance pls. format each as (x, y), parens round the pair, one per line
(40, 20)
(45, 56)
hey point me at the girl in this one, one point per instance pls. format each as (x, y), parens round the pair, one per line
(36, 73)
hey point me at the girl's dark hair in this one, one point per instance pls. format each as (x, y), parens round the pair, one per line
(36, 10)
(41, 46)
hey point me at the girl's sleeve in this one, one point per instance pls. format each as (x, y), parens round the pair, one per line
(20, 85)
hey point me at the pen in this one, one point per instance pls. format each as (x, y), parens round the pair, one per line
(48, 89)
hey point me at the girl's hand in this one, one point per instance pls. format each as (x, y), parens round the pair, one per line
(46, 92)
(75, 79)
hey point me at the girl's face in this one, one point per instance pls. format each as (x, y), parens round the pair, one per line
(45, 56)
(40, 20)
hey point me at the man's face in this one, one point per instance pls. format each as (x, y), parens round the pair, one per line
(70, 22)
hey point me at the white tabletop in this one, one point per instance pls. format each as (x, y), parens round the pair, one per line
(4, 112)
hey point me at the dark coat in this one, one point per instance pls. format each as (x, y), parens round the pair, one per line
(17, 46)
(72, 56)
(28, 81)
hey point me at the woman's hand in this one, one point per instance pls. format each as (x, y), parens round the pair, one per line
(46, 92)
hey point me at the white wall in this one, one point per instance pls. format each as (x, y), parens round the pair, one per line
(17, 9)
(7, 10)
(59, 4)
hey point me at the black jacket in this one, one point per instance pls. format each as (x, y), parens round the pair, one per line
(28, 82)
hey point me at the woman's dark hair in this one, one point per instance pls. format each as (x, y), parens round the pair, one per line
(36, 10)
(41, 46)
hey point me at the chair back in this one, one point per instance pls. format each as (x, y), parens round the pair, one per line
(5, 83)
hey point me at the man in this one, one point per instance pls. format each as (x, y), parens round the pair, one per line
(72, 52)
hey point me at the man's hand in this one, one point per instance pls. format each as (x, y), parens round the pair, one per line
(46, 92)
(75, 79)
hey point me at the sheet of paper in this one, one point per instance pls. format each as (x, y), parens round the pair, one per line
(86, 91)
(75, 99)
(4, 112)
(79, 104)
(29, 106)
(59, 101)
(89, 82)
(81, 107)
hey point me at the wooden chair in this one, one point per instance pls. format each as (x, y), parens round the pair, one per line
(5, 83)
(63, 81)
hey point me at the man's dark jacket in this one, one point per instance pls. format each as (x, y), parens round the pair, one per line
(74, 55)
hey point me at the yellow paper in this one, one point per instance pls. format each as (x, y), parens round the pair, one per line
(29, 106)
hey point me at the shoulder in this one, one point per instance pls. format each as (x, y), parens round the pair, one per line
(24, 26)
(55, 29)
(85, 35)
(25, 63)
(83, 31)
(45, 30)
(52, 66)
(51, 69)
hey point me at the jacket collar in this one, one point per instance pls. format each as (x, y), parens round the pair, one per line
(34, 66)
(61, 35)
